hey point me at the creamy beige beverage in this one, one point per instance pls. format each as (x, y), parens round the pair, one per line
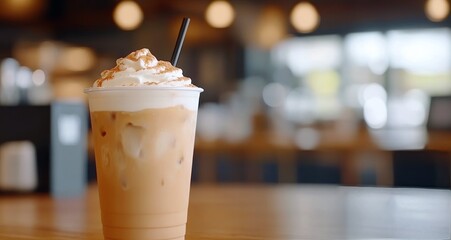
(143, 114)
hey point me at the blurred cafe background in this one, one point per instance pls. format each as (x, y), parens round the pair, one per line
(346, 92)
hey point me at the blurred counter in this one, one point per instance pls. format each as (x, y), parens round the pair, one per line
(352, 155)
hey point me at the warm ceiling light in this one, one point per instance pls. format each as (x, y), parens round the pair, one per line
(220, 14)
(437, 10)
(19, 4)
(271, 27)
(128, 15)
(22, 9)
(304, 17)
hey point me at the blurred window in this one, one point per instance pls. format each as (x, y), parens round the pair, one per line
(314, 63)
(421, 59)
(329, 72)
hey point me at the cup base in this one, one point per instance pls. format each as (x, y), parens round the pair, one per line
(178, 238)
(164, 233)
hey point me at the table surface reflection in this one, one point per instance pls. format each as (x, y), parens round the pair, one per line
(253, 212)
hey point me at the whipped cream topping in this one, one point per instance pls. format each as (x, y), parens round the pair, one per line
(141, 68)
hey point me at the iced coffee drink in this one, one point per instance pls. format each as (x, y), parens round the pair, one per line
(143, 114)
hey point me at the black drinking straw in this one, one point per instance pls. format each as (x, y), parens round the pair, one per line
(179, 43)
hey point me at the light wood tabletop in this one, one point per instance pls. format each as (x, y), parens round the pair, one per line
(252, 212)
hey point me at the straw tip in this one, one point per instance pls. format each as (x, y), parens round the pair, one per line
(180, 39)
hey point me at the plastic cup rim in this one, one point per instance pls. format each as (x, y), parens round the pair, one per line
(137, 88)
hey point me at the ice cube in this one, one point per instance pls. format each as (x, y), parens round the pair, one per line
(123, 180)
(105, 158)
(164, 142)
(180, 160)
(131, 138)
(118, 158)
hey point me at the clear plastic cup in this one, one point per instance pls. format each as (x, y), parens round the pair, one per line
(144, 141)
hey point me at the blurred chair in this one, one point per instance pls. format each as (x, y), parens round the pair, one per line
(427, 168)
(424, 169)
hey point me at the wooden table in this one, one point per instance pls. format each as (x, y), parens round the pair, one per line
(252, 212)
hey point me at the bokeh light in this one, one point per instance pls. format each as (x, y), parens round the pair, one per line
(375, 113)
(271, 27)
(77, 59)
(274, 94)
(299, 107)
(23, 9)
(372, 90)
(304, 17)
(437, 10)
(23, 77)
(38, 77)
(307, 138)
(220, 14)
(128, 15)
(374, 100)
